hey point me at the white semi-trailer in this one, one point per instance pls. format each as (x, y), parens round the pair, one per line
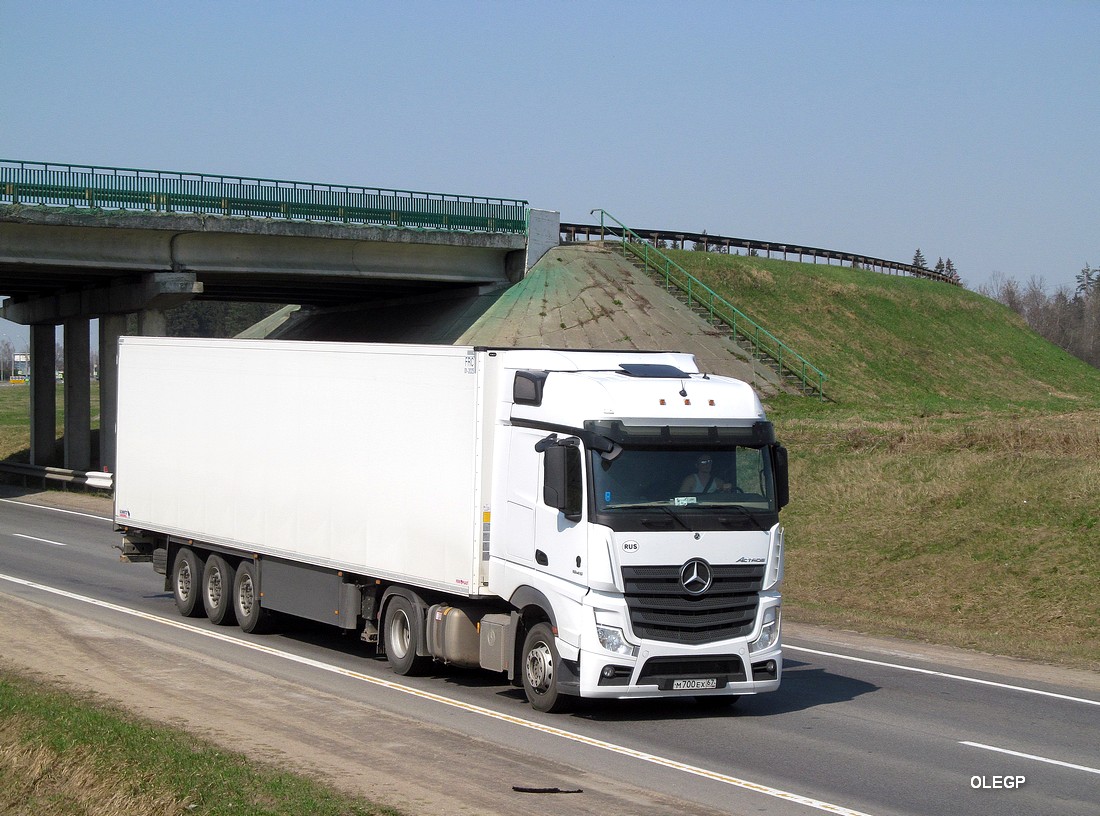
(592, 523)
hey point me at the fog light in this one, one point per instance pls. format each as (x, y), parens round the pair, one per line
(768, 670)
(616, 675)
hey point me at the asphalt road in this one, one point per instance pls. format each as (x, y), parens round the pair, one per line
(859, 726)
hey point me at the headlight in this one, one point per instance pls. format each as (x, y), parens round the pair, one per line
(769, 632)
(613, 640)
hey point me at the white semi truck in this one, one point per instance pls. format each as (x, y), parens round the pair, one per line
(599, 524)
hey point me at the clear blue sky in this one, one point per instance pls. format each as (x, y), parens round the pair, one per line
(968, 129)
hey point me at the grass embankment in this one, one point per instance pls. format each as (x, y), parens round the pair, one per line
(948, 491)
(62, 755)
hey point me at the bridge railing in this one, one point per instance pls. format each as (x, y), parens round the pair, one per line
(763, 342)
(725, 243)
(167, 191)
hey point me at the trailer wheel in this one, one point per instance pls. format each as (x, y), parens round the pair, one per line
(217, 590)
(402, 637)
(540, 670)
(186, 582)
(247, 606)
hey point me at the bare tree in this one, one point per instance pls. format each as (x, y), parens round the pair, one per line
(1069, 319)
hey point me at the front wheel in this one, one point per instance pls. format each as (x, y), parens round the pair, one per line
(541, 670)
(402, 637)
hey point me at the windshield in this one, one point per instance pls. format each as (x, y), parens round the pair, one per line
(680, 478)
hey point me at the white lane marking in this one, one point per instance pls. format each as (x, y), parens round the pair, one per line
(43, 540)
(1085, 768)
(474, 709)
(931, 672)
(57, 510)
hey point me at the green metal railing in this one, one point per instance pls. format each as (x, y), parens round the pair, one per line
(164, 191)
(764, 343)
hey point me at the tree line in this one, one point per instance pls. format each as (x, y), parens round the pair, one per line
(944, 268)
(1069, 318)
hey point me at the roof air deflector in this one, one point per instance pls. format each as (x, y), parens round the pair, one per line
(653, 371)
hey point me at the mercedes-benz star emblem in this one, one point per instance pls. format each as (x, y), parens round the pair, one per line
(696, 576)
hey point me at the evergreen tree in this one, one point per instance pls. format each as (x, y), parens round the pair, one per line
(950, 271)
(918, 260)
(1087, 281)
(940, 268)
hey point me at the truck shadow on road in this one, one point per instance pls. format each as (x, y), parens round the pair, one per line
(804, 687)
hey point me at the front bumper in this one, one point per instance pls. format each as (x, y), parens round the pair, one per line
(726, 669)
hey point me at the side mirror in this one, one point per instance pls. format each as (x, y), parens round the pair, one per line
(782, 480)
(561, 478)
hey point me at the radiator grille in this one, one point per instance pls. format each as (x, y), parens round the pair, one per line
(661, 609)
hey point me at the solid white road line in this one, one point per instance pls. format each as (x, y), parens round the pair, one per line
(474, 709)
(1085, 768)
(931, 672)
(57, 510)
(43, 540)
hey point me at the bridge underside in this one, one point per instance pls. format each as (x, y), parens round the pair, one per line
(66, 267)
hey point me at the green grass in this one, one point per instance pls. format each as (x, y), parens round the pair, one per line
(947, 490)
(15, 433)
(895, 346)
(61, 754)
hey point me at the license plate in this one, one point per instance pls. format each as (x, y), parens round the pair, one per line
(692, 685)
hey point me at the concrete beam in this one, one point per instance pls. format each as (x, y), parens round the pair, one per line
(93, 243)
(156, 290)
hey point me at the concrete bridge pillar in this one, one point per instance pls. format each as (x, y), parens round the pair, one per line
(152, 323)
(111, 327)
(43, 393)
(78, 394)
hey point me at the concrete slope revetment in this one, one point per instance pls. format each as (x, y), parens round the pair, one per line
(582, 296)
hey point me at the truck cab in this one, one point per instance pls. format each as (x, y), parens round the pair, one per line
(641, 517)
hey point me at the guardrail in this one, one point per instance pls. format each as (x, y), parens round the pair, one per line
(92, 478)
(719, 243)
(72, 185)
(764, 343)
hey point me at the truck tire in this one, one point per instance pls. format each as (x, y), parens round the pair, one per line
(402, 637)
(247, 606)
(187, 582)
(217, 590)
(541, 664)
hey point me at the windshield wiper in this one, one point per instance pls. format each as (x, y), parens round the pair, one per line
(664, 508)
(744, 512)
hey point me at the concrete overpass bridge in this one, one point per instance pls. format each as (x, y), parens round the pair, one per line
(79, 243)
